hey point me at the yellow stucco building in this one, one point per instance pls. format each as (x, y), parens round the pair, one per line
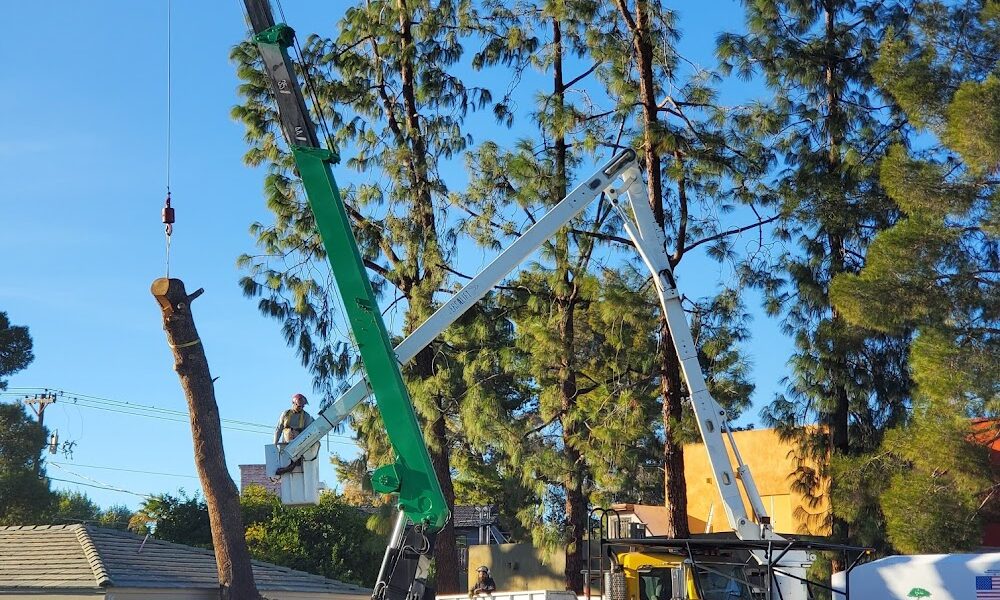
(772, 463)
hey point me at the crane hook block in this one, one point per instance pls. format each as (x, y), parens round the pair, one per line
(168, 212)
(168, 215)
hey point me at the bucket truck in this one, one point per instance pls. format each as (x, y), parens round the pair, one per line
(422, 508)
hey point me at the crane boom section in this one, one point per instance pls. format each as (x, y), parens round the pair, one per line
(602, 179)
(412, 474)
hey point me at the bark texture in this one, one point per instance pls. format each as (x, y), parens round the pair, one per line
(671, 382)
(232, 556)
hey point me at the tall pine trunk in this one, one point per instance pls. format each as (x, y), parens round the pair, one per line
(424, 260)
(566, 302)
(232, 556)
(839, 421)
(674, 485)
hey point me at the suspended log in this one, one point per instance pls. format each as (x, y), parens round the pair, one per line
(232, 556)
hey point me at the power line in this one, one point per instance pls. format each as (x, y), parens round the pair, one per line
(100, 487)
(155, 412)
(121, 469)
(95, 481)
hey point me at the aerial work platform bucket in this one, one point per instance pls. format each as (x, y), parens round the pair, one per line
(299, 479)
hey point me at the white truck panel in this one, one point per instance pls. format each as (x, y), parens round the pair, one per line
(930, 576)
(528, 595)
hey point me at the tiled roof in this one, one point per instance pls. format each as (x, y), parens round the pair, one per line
(474, 516)
(84, 556)
(48, 557)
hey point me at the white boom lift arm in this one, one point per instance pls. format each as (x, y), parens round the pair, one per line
(621, 180)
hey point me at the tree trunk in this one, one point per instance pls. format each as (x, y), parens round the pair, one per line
(674, 485)
(576, 501)
(840, 417)
(445, 546)
(232, 556)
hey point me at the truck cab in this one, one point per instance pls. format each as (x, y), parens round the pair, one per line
(639, 575)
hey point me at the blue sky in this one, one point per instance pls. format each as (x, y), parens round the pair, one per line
(82, 161)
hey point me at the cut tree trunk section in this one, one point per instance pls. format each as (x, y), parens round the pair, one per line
(232, 556)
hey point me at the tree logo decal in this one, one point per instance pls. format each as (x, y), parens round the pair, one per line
(918, 593)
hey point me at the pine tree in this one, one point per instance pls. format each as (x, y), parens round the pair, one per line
(549, 311)
(830, 128)
(15, 349)
(935, 272)
(24, 496)
(697, 167)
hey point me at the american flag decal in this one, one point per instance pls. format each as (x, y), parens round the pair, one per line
(987, 587)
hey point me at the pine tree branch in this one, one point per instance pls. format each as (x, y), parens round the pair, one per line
(733, 231)
(592, 68)
(374, 266)
(627, 16)
(383, 243)
(682, 201)
(535, 430)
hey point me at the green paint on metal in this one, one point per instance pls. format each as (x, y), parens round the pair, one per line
(280, 35)
(412, 475)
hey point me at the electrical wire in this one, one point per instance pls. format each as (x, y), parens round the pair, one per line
(122, 469)
(94, 482)
(152, 412)
(100, 487)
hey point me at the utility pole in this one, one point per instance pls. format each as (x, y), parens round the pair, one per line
(38, 402)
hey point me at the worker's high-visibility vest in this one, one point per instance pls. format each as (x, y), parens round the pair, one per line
(292, 423)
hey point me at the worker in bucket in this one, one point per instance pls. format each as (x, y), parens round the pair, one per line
(292, 421)
(484, 582)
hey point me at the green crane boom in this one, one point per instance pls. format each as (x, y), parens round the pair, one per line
(412, 475)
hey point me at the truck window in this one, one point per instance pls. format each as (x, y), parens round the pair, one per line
(656, 585)
(715, 586)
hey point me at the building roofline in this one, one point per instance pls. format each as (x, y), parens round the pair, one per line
(93, 556)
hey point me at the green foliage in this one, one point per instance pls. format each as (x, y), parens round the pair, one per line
(116, 516)
(329, 539)
(15, 349)
(70, 507)
(935, 272)
(74, 507)
(830, 127)
(927, 478)
(24, 491)
(182, 519)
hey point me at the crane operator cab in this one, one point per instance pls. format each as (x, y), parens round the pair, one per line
(668, 576)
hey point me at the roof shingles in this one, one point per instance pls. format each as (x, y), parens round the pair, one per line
(84, 556)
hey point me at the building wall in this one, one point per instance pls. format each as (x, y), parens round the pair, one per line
(772, 462)
(256, 474)
(519, 567)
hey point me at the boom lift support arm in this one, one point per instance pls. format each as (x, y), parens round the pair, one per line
(421, 501)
